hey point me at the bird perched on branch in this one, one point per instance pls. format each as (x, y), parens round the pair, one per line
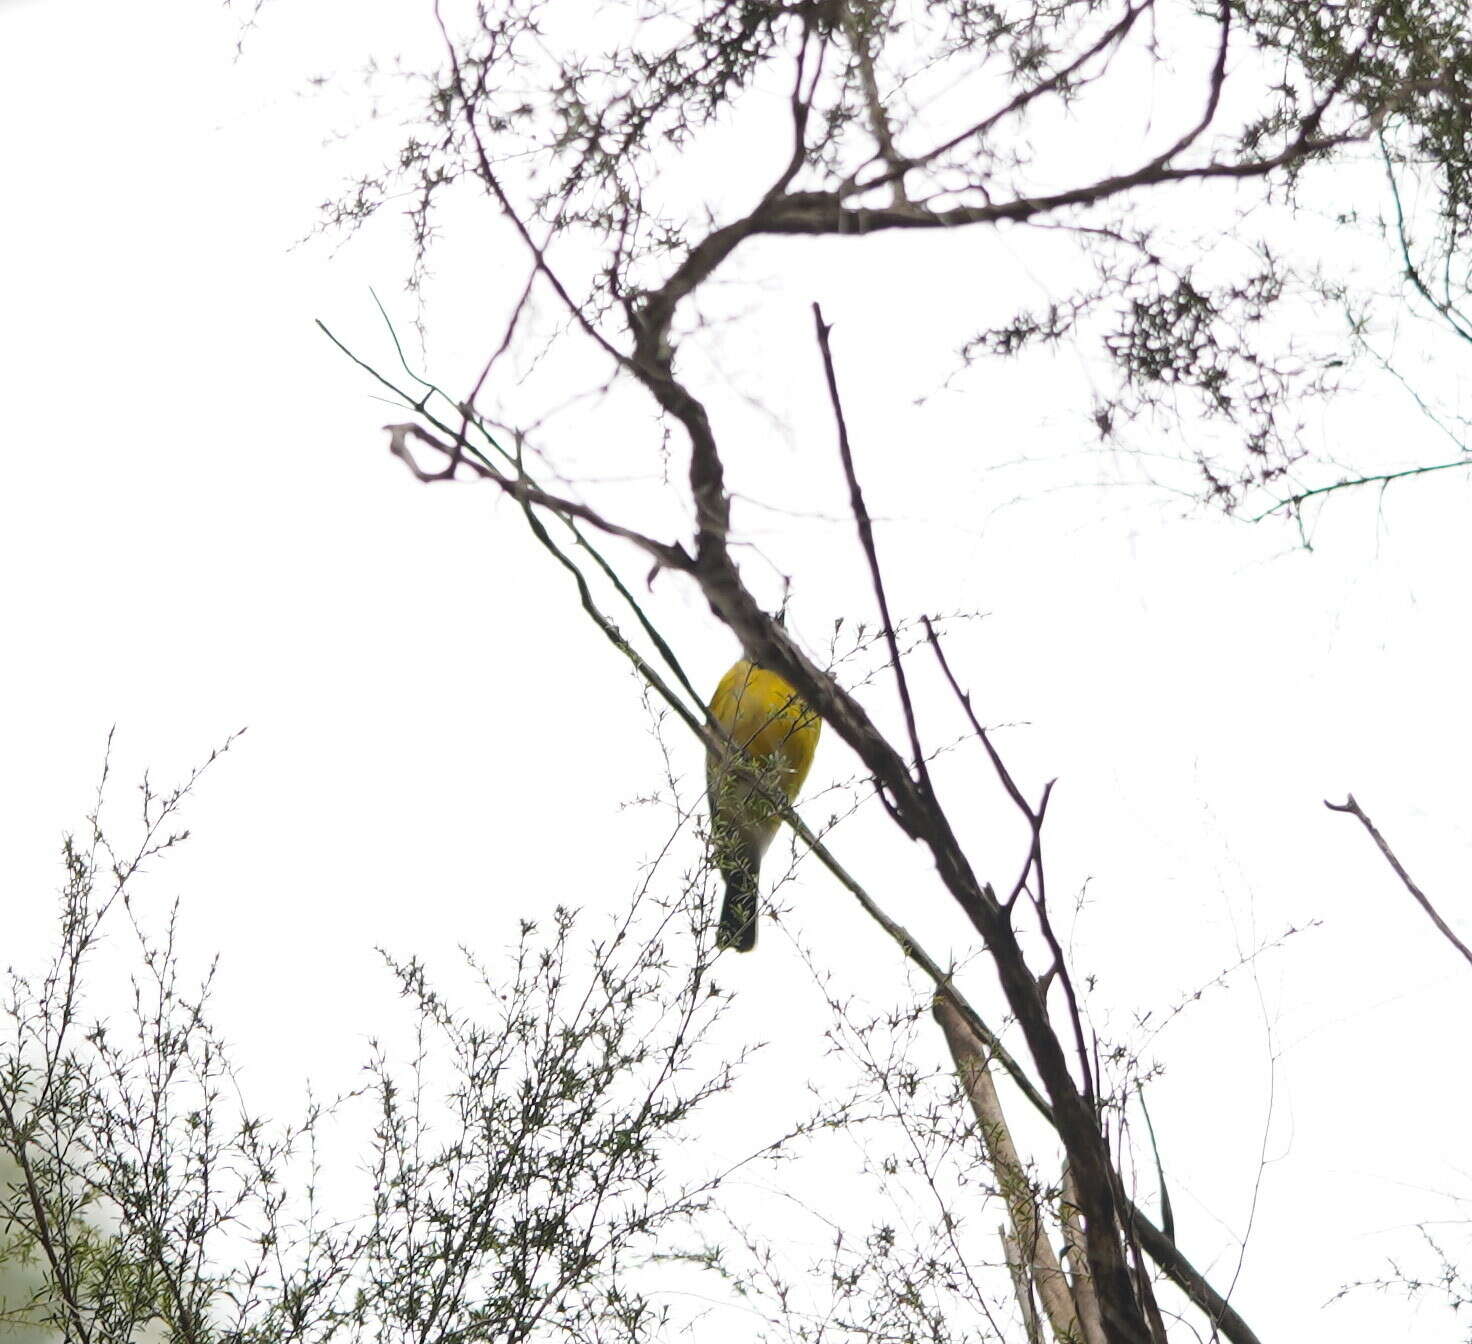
(773, 736)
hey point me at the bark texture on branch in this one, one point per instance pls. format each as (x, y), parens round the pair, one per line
(1030, 1237)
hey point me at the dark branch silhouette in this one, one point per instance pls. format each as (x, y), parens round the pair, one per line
(1353, 809)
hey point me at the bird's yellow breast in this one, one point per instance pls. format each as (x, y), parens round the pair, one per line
(766, 719)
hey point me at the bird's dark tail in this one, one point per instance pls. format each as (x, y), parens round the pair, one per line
(738, 911)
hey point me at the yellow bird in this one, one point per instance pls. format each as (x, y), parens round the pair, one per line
(774, 735)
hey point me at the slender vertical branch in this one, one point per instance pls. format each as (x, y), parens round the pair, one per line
(871, 554)
(879, 122)
(52, 1240)
(1021, 1285)
(1080, 1284)
(1038, 1259)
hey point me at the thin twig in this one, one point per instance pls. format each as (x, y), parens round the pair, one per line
(866, 539)
(666, 554)
(1021, 1286)
(1352, 482)
(1353, 808)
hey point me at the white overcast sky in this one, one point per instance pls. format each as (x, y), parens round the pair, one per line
(200, 530)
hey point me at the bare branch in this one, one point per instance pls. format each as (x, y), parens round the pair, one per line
(1031, 1236)
(871, 555)
(1353, 482)
(1353, 808)
(1112, 36)
(879, 122)
(1214, 94)
(666, 553)
(1081, 1285)
(1021, 1285)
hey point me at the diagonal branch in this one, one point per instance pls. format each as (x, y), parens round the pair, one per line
(865, 525)
(1030, 1235)
(1353, 808)
(1111, 36)
(1352, 482)
(666, 554)
(1214, 94)
(1034, 864)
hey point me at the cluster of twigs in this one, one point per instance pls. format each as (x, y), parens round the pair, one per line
(507, 1179)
